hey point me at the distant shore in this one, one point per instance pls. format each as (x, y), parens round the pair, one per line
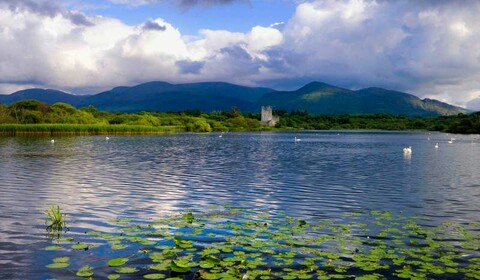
(83, 129)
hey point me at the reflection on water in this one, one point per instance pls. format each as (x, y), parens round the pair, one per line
(323, 176)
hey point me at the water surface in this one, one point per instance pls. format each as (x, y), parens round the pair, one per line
(323, 176)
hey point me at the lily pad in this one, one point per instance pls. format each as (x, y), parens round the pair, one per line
(53, 248)
(80, 246)
(174, 267)
(58, 265)
(85, 271)
(118, 246)
(154, 276)
(61, 260)
(117, 262)
(189, 218)
(126, 270)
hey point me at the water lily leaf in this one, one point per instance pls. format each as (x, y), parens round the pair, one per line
(61, 260)
(182, 243)
(58, 265)
(162, 266)
(118, 246)
(117, 261)
(189, 218)
(126, 270)
(80, 246)
(209, 276)
(53, 248)
(226, 249)
(174, 267)
(147, 242)
(181, 263)
(85, 271)
(65, 239)
(154, 276)
(113, 276)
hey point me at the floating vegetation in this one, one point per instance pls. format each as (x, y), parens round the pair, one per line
(117, 261)
(85, 271)
(232, 243)
(61, 262)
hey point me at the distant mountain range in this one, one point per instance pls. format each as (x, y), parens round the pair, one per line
(315, 97)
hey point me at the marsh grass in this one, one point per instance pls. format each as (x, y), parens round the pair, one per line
(56, 220)
(83, 129)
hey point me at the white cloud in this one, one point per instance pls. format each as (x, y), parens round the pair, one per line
(429, 48)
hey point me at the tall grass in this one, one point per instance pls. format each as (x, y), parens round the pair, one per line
(83, 129)
(55, 219)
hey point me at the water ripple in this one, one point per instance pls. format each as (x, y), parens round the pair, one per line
(147, 177)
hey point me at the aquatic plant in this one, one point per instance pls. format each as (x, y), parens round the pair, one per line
(233, 243)
(56, 220)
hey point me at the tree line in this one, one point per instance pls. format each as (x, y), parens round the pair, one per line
(35, 112)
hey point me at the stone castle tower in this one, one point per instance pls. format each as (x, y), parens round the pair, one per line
(267, 116)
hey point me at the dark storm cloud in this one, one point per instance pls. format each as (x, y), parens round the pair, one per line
(46, 8)
(78, 19)
(189, 66)
(152, 25)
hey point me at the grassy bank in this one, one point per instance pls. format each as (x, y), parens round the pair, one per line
(33, 117)
(83, 129)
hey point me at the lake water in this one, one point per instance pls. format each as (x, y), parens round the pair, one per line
(323, 176)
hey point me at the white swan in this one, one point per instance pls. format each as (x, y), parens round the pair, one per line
(407, 150)
(297, 139)
(107, 138)
(436, 145)
(52, 141)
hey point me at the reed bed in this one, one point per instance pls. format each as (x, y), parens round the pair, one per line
(83, 129)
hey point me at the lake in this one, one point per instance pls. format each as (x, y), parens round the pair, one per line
(142, 178)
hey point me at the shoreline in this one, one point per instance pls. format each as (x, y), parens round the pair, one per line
(83, 129)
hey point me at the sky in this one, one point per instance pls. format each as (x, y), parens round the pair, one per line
(429, 48)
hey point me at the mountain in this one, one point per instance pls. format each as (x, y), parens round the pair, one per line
(321, 98)
(474, 104)
(161, 96)
(49, 96)
(315, 97)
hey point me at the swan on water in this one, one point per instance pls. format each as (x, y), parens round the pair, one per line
(436, 145)
(107, 138)
(52, 141)
(407, 150)
(297, 139)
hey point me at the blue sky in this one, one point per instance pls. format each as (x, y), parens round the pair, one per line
(430, 48)
(238, 16)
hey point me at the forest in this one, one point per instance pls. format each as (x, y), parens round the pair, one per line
(31, 115)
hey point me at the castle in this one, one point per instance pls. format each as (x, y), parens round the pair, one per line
(267, 117)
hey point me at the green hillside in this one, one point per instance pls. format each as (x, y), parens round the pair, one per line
(316, 98)
(320, 98)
